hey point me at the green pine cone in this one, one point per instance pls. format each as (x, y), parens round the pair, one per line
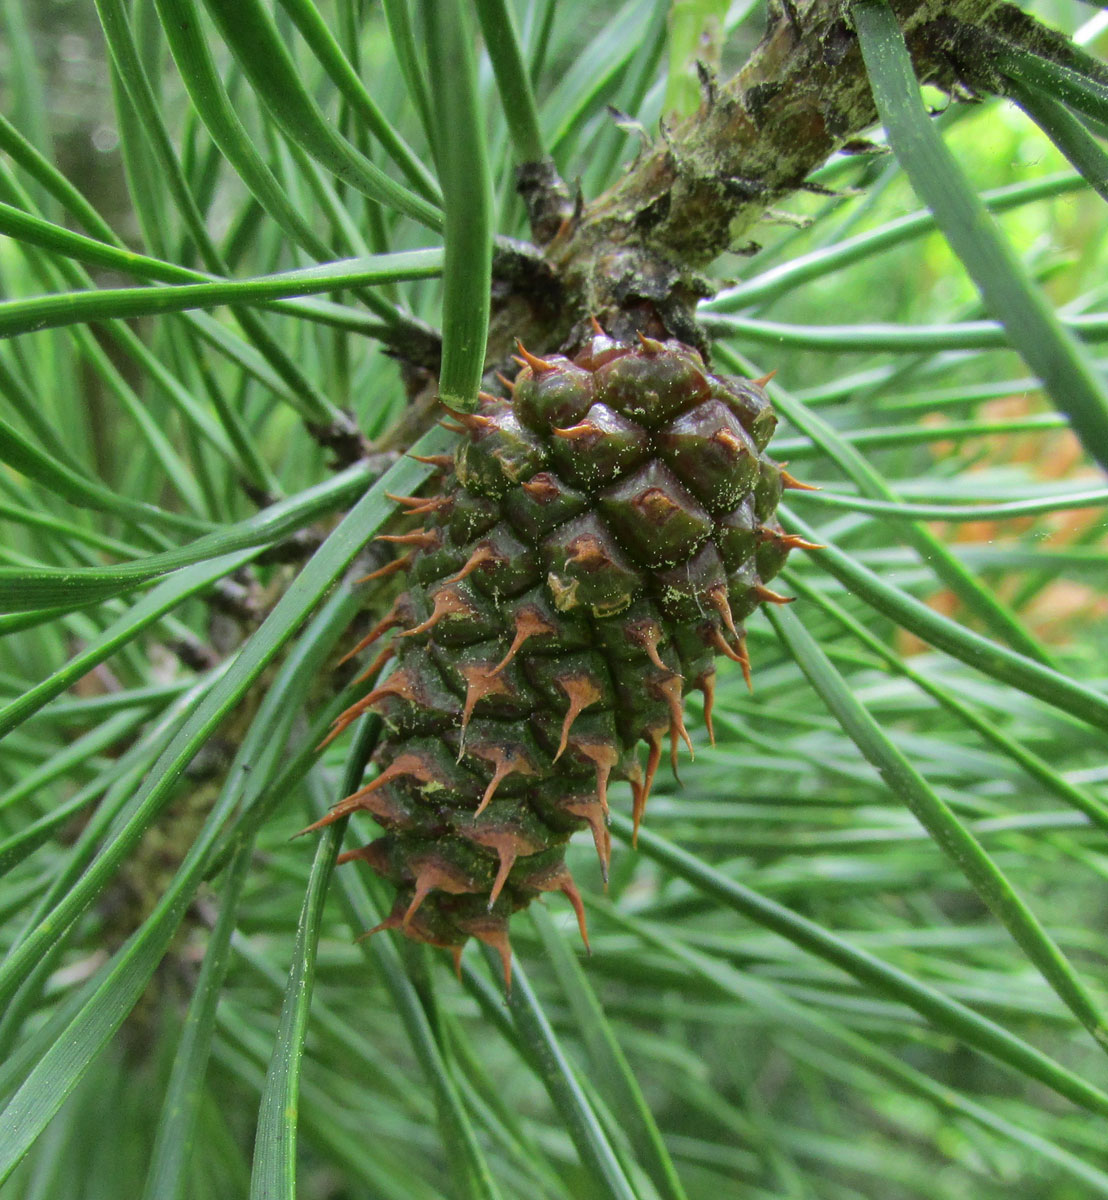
(601, 539)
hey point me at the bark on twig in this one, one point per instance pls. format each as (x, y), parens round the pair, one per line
(631, 256)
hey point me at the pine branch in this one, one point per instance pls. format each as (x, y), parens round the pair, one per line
(630, 256)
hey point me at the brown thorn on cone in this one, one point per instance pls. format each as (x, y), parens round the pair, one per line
(794, 541)
(425, 539)
(472, 422)
(392, 921)
(717, 596)
(483, 554)
(673, 755)
(447, 602)
(390, 568)
(403, 764)
(340, 726)
(442, 462)
(527, 623)
(790, 483)
(605, 757)
(655, 505)
(391, 619)
(769, 596)
(566, 885)
(764, 379)
(717, 639)
(745, 661)
(502, 771)
(790, 541)
(707, 684)
(373, 854)
(480, 682)
(726, 438)
(497, 938)
(422, 890)
(397, 684)
(596, 326)
(507, 861)
(504, 766)
(649, 345)
(505, 844)
(589, 810)
(541, 489)
(653, 758)
(581, 692)
(574, 433)
(503, 947)
(450, 427)
(638, 808)
(670, 692)
(647, 634)
(538, 365)
(343, 809)
(587, 551)
(388, 652)
(509, 384)
(437, 875)
(431, 505)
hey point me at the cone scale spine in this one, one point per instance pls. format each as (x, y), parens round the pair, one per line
(600, 539)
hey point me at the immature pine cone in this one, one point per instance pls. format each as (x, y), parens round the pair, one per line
(602, 538)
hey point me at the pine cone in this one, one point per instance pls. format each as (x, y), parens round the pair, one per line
(603, 536)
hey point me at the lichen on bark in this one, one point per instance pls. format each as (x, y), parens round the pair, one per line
(631, 256)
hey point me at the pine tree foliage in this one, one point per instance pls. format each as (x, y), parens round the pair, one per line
(858, 949)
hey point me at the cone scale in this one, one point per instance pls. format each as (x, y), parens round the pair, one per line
(599, 540)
